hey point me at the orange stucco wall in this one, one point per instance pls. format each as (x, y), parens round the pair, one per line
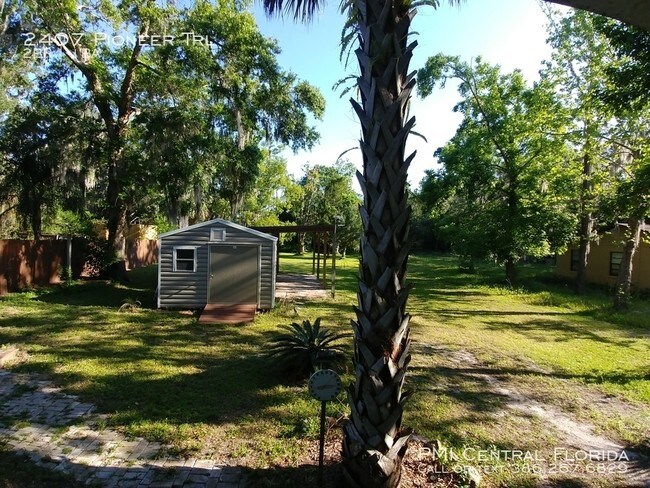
(598, 261)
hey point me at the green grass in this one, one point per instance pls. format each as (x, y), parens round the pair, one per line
(211, 390)
(579, 338)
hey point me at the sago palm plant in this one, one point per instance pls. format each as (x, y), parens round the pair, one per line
(304, 348)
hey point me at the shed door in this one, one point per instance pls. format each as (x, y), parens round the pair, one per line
(234, 274)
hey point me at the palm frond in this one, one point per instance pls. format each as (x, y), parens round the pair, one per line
(300, 10)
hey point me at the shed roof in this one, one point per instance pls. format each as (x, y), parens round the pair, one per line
(220, 222)
(635, 12)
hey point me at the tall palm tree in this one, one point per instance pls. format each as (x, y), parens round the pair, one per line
(375, 443)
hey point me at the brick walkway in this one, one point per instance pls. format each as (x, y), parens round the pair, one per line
(36, 420)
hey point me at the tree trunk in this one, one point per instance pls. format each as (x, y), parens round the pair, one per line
(586, 228)
(37, 220)
(116, 217)
(301, 243)
(198, 204)
(624, 279)
(116, 119)
(586, 224)
(235, 205)
(511, 271)
(236, 199)
(374, 443)
(511, 217)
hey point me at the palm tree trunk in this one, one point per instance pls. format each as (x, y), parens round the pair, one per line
(624, 279)
(374, 442)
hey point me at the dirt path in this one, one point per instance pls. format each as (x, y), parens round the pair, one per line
(583, 454)
(298, 287)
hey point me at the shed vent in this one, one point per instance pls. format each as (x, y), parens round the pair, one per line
(217, 234)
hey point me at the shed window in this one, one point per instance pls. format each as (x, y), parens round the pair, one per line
(184, 259)
(218, 234)
(575, 256)
(615, 259)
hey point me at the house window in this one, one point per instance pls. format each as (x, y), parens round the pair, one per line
(184, 259)
(575, 257)
(218, 234)
(615, 259)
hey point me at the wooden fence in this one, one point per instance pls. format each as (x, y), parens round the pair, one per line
(38, 263)
(141, 252)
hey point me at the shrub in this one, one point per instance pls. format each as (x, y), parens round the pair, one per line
(99, 258)
(306, 348)
(130, 305)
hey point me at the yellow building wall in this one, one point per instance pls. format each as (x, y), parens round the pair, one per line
(133, 232)
(140, 231)
(598, 261)
(563, 264)
(642, 266)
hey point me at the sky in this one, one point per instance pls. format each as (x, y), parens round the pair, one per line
(510, 33)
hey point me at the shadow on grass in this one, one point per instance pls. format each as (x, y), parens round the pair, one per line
(101, 293)
(552, 330)
(462, 384)
(18, 471)
(176, 375)
(155, 378)
(476, 401)
(148, 366)
(473, 398)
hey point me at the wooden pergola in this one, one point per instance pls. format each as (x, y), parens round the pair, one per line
(322, 236)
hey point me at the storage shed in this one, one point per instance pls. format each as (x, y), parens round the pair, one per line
(216, 262)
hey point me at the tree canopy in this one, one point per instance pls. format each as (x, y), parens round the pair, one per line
(187, 104)
(535, 167)
(504, 171)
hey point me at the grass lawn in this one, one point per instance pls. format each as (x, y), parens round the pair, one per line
(210, 389)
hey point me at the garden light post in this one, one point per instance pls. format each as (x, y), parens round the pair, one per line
(323, 385)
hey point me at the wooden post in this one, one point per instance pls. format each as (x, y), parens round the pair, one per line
(325, 249)
(334, 245)
(277, 254)
(313, 253)
(318, 257)
(321, 450)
